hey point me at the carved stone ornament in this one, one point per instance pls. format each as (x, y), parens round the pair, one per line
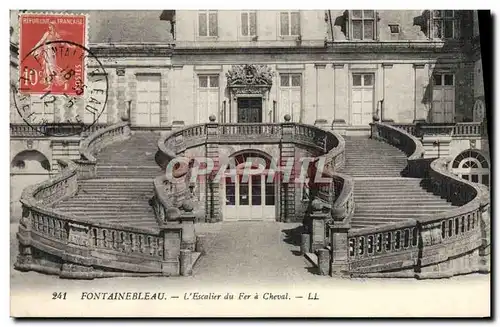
(250, 75)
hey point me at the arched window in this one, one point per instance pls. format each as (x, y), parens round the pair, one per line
(472, 166)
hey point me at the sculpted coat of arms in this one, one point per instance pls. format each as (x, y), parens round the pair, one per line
(250, 75)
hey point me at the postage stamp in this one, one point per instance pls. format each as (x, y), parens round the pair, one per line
(58, 73)
(48, 64)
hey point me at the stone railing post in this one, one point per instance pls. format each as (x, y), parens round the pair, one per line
(318, 226)
(172, 236)
(485, 225)
(374, 131)
(339, 241)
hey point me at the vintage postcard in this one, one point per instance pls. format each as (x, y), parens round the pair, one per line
(249, 163)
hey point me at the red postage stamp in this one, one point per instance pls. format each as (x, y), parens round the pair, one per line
(52, 52)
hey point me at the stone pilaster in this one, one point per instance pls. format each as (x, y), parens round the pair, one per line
(213, 206)
(386, 104)
(131, 95)
(113, 116)
(340, 98)
(164, 98)
(421, 92)
(121, 89)
(322, 92)
(287, 152)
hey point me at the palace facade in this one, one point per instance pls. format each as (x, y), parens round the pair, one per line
(265, 86)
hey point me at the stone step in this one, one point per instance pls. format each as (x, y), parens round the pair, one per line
(105, 206)
(395, 205)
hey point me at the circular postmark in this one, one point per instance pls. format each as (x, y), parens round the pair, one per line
(54, 76)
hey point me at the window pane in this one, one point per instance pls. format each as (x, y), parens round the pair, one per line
(356, 14)
(474, 178)
(253, 23)
(448, 13)
(448, 29)
(368, 13)
(295, 80)
(269, 194)
(244, 200)
(202, 24)
(448, 79)
(284, 23)
(486, 180)
(437, 29)
(214, 81)
(213, 24)
(203, 81)
(285, 80)
(244, 24)
(368, 33)
(295, 23)
(229, 192)
(437, 79)
(466, 177)
(356, 80)
(357, 27)
(368, 79)
(256, 190)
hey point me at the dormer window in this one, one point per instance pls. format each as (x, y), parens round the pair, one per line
(444, 24)
(207, 23)
(362, 25)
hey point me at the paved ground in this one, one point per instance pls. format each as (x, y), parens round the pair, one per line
(253, 252)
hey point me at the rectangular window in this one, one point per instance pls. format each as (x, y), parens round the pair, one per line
(207, 23)
(208, 97)
(444, 24)
(290, 95)
(249, 23)
(443, 98)
(289, 23)
(362, 24)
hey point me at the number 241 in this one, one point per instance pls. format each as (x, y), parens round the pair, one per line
(59, 296)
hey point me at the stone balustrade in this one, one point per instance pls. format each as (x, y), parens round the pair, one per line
(458, 130)
(55, 129)
(74, 247)
(453, 242)
(90, 146)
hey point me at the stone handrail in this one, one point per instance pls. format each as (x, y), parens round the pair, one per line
(415, 247)
(90, 146)
(171, 144)
(79, 241)
(55, 129)
(329, 143)
(459, 130)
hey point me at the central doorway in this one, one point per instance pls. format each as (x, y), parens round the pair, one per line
(248, 197)
(250, 110)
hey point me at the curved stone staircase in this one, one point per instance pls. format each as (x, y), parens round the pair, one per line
(123, 187)
(382, 194)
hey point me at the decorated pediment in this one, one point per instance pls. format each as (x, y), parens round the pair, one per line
(250, 76)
